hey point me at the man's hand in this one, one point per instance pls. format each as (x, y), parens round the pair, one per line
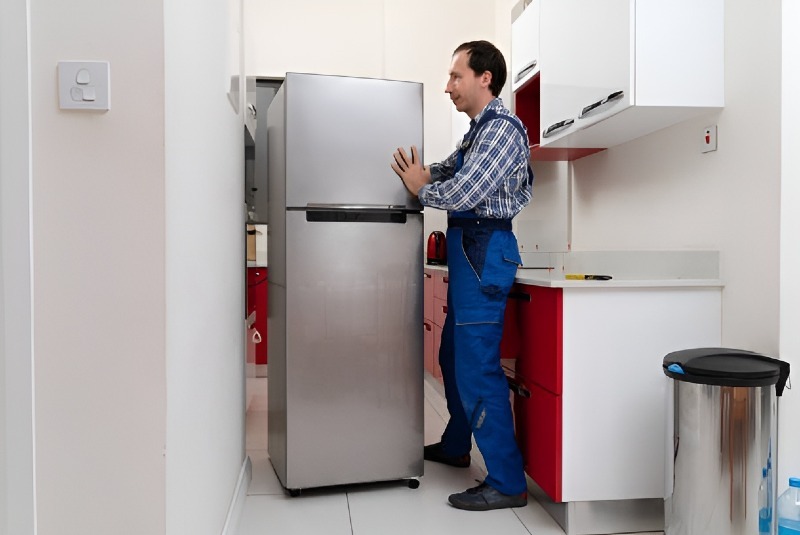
(410, 170)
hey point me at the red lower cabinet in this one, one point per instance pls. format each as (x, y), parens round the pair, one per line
(509, 344)
(257, 302)
(436, 370)
(538, 420)
(539, 367)
(428, 345)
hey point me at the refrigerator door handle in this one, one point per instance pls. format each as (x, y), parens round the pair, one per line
(357, 216)
(359, 207)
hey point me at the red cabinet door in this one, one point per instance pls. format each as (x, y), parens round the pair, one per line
(257, 301)
(427, 292)
(538, 420)
(437, 343)
(540, 327)
(510, 344)
(428, 345)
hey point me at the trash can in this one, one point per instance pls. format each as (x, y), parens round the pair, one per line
(723, 430)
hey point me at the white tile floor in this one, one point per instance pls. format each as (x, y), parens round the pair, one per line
(384, 509)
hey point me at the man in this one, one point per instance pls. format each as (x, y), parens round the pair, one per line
(482, 185)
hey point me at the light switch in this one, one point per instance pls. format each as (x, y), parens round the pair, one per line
(83, 77)
(89, 94)
(84, 85)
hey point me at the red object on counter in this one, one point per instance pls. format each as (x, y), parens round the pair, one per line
(257, 301)
(437, 249)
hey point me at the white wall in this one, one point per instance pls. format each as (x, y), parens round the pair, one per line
(17, 503)
(99, 282)
(789, 436)
(126, 275)
(205, 261)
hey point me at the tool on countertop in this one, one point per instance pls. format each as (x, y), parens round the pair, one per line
(583, 277)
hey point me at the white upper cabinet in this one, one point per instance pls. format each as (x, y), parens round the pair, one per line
(525, 46)
(615, 70)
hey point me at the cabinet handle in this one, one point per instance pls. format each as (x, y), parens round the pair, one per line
(520, 296)
(427, 326)
(560, 125)
(444, 309)
(525, 70)
(446, 280)
(426, 275)
(613, 97)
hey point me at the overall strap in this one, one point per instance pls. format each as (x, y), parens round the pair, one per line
(488, 116)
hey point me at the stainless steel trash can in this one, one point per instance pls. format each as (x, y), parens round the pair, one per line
(723, 431)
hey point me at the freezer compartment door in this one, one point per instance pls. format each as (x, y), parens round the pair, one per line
(354, 357)
(341, 133)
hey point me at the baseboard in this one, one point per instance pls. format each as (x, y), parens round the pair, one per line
(237, 501)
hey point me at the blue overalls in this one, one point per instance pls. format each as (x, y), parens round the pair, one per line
(482, 258)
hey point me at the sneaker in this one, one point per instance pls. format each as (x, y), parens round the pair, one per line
(484, 498)
(434, 453)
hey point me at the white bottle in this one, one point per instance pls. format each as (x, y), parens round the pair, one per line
(789, 509)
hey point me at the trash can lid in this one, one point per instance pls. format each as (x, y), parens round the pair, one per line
(726, 367)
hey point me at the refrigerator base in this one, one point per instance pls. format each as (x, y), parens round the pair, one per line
(412, 483)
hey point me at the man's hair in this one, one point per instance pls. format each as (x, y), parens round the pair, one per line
(484, 56)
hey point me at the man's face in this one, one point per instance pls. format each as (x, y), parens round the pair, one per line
(465, 87)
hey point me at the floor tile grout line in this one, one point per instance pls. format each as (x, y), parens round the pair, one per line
(521, 522)
(349, 513)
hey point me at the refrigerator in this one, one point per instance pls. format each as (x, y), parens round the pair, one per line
(345, 378)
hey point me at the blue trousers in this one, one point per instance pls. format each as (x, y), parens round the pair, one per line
(482, 265)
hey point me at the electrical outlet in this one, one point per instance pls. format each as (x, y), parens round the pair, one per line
(709, 139)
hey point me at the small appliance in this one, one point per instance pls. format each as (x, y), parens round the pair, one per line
(437, 249)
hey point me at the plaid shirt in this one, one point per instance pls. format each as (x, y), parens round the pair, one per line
(493, 181)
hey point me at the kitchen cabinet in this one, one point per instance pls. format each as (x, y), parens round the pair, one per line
(525, 46)
(615, 70)
(540, 320)
(427, 322)
(434, 314)
(257, 295)
(526, 84)
(441, 280)
(593, 429)
(540, 415)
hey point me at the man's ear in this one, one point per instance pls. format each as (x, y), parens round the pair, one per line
(486, 79)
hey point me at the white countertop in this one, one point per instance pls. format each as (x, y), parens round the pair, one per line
(636, 269)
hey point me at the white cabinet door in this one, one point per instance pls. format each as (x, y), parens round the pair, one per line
(615, 70)
(587, 57)
(525, 46)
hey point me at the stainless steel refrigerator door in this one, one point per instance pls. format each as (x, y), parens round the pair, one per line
(340, 136)
(354, 370)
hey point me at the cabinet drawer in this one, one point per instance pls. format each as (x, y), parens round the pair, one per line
(539, 433)
(437, 343)
(509, 344)
(440, 282)
(428, 345)
(540, 326)
(439, 311)
(427, 289)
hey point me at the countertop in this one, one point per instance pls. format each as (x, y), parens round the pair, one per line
(638, 269)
